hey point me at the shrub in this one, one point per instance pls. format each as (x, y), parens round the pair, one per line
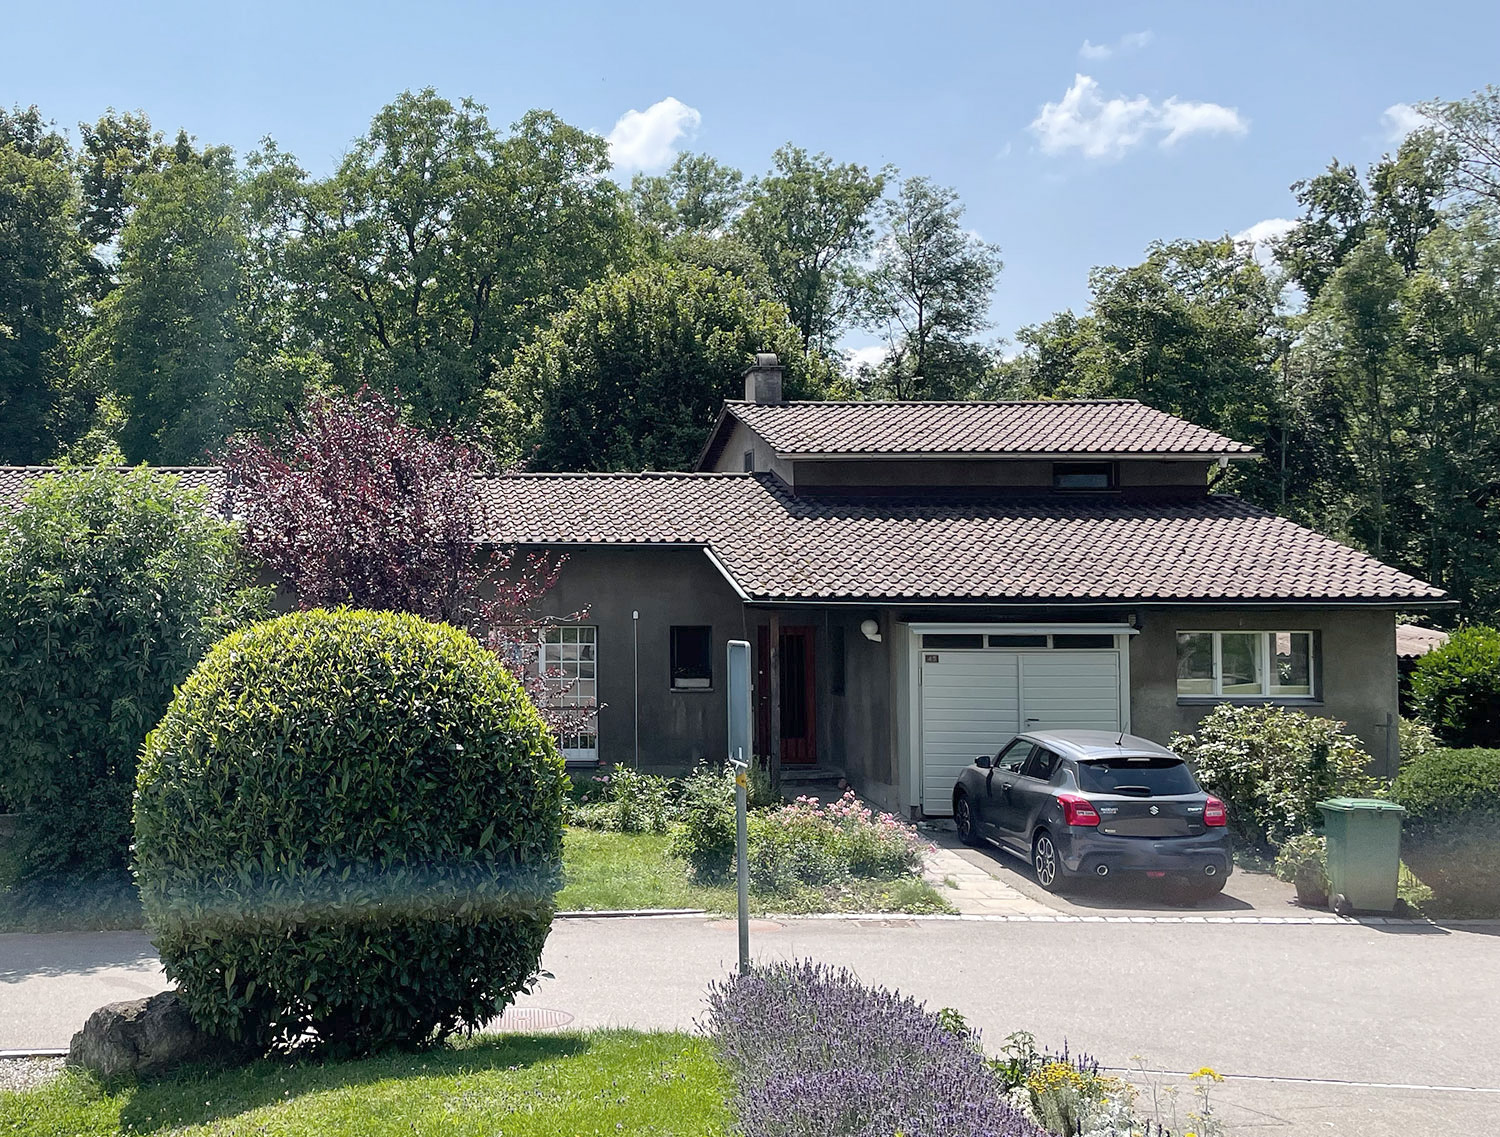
(808, 843)
(1271, 767)
(112, 585)
(1451, 833)
(1303, 862)
(628, 801)
(350, 824)
(1456, 688)
(705, 834)
(812, 1051)
(1417, 740)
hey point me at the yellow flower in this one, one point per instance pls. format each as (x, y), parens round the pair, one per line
(1207, 1073)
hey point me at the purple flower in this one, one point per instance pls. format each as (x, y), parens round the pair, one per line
(814, 1053)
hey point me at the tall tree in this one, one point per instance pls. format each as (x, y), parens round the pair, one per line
(697, 195)
(39, 254)
(810, 220)
(1406, 191)
(1335, 213)
(113, 153)
(1472, 127)
(168, 336)
(632, 376)
(929, 290)
(439, 245)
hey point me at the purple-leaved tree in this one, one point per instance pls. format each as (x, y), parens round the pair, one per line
(352, 506)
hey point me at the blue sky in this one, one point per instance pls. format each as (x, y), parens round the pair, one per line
(1075, 133)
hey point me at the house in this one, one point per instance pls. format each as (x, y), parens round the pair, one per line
(1412, 643)
(921, 580)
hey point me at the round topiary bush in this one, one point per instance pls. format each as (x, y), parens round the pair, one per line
(349, 831)
(1456, 688)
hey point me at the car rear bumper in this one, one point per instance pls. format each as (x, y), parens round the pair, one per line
(1204, 856)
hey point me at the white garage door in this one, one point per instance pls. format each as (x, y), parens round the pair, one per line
(974, 701)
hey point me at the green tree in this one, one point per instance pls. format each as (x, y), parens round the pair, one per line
(113, 153)
(112, 585)
(632, 376)
(810, 220)
(697, 195)
(1405, 191)
(39, 254)
(438, 246)
(1335, 214)
(1472, 127)
(929, 291)
(168, 340)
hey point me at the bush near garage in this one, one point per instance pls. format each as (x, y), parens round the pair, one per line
(1456, 688)
(112, 586)
(349, 827)
(1451, 833)
(1271, 766)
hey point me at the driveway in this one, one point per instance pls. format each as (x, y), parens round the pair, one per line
(1247, 894)
(1340, 1029)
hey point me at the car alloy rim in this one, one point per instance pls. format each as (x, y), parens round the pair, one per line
(1046, 863)
(963, 816)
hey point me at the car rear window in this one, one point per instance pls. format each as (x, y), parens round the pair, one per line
(1145, 776)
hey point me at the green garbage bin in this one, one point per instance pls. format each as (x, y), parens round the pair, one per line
(1364, 853)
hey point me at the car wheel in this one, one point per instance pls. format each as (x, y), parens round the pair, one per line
(1046, 862)
(964, 820)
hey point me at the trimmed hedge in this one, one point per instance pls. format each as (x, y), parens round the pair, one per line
(112, 586)
(1451, 835)
(1456, 688)
(350, 824)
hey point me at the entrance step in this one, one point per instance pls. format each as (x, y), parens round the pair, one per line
(811, 776)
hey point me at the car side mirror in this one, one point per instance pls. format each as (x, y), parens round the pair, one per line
(983, 762)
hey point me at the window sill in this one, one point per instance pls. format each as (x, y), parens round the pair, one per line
(1250, 700)
(691, 690)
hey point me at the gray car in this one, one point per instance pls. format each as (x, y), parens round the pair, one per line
(1091, 803)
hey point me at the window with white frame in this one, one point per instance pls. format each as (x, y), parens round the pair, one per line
(569, 665)
(1246, 665)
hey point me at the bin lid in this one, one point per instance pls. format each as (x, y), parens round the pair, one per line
(1359, 805)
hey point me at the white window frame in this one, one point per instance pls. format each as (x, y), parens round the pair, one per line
(577, 747)
(1266, 657)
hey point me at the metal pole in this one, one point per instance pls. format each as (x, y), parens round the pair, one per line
(635, 713)
(742, 842)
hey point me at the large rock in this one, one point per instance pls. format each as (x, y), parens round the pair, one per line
(143, 1036)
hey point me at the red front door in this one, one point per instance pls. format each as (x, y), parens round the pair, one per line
(799, 741)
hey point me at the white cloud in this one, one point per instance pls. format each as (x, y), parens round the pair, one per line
(1131, 41)
(1400, 119)
(1260, 235)
(1099, 127)
(645, 140)
(871, 356)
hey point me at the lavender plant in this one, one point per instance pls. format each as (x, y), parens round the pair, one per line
(814, 1053)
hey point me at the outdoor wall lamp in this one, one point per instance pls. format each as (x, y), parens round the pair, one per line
(871, 630)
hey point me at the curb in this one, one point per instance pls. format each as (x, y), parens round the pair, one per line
(38, 1052)
(629, 913)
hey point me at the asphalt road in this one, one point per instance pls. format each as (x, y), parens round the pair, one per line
(1400, 1022)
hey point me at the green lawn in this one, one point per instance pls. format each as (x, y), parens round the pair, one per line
(614, 1082)
(632, 870)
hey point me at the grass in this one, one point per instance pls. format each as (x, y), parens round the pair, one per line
(614, 1082)
(613, 871)
(605, 871)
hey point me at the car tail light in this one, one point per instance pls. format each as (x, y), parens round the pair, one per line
(1214, 812)
(1078, 810)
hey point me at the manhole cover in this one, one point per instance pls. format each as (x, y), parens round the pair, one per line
(525, 1020)
(755, 925)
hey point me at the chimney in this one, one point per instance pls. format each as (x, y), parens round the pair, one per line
(763, 380)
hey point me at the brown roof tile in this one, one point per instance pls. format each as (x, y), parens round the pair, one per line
(777, 546)
(1074, 426)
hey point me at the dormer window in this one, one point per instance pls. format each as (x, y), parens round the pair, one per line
(1083, 475)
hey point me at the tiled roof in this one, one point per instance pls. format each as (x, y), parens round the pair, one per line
(931, 547)
(926, 546)
(1074, 426)
(16, 480)
(1413, 641)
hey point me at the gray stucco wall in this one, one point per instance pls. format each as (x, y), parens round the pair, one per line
(1357, 675)
(667, 586)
